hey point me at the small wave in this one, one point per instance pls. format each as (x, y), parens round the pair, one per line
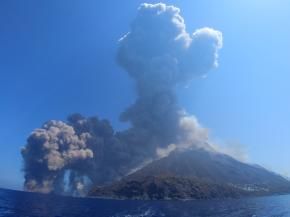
(140, 212)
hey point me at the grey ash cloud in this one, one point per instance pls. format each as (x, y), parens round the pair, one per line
(50, 151)
(160, 55)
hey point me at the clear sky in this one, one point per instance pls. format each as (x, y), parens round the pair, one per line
(58, 57)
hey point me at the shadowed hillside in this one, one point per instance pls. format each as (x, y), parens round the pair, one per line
(196, 174)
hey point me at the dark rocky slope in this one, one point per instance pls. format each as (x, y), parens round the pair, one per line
(195, 174)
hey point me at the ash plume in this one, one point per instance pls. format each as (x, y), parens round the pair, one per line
(51, 150)
(159, 55)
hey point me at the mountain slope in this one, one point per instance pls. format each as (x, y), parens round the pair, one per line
(196, 174)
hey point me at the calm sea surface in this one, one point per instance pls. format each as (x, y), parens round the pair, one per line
(21, 204)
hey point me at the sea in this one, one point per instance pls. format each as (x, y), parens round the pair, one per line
(24, 204)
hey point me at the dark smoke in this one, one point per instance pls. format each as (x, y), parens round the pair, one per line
(160, 55)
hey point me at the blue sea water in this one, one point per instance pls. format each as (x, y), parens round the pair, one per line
(23, 204)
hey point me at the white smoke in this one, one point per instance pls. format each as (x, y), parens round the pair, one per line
(232, 148)
(192, 135)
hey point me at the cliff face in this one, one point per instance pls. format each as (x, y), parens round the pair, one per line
(195, 174)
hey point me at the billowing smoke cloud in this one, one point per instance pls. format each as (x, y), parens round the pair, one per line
(54, 147)
(160, 55)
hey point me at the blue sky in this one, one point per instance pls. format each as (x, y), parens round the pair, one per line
(58, 57)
